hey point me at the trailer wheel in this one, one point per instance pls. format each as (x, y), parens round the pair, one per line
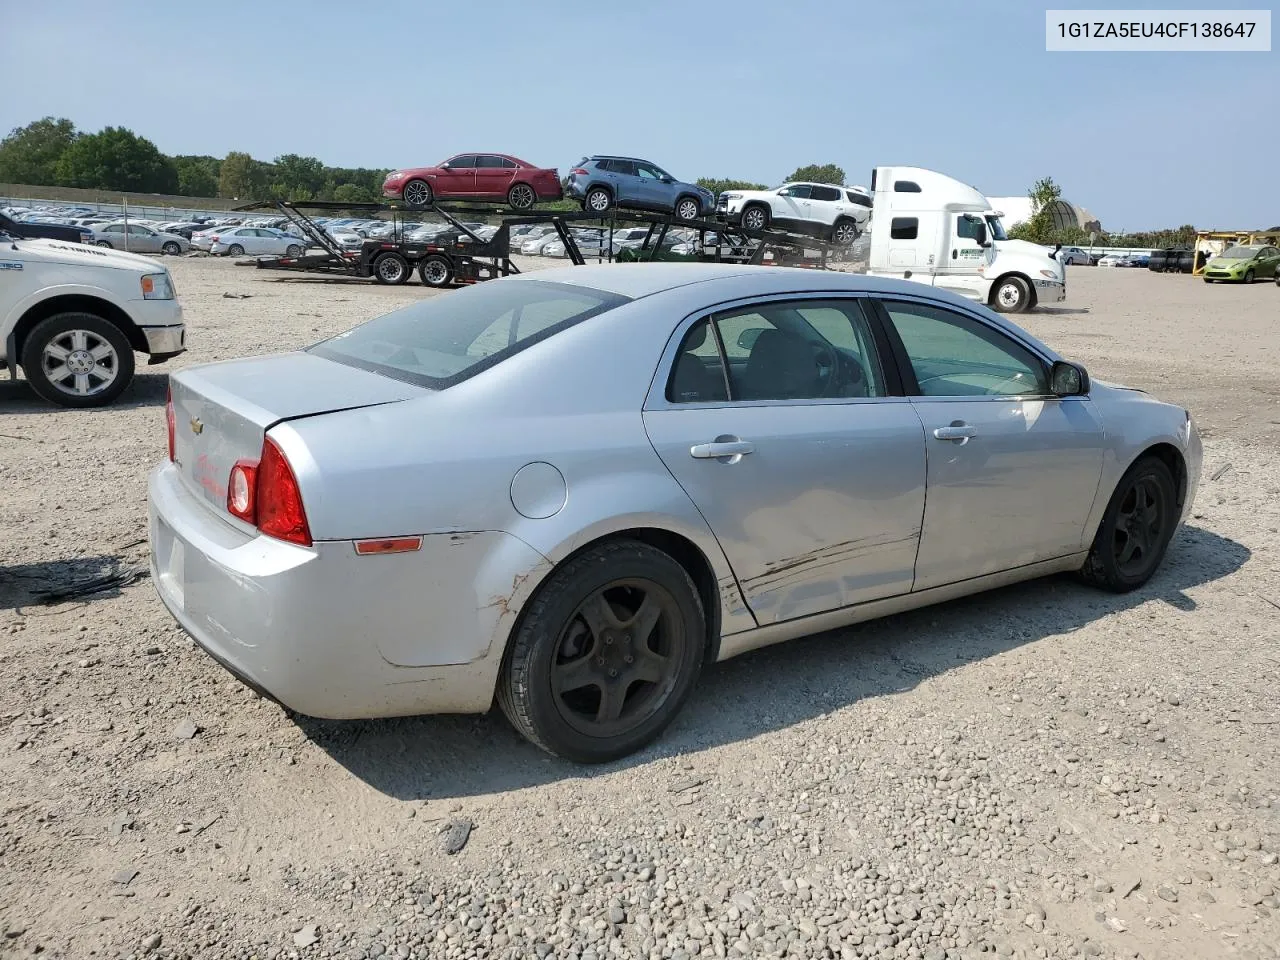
(417, 194)
(293, 250)
(1011, 295)
(435, 271)
(598, 200)
(235, 250)
(391, 269)
(521, 197)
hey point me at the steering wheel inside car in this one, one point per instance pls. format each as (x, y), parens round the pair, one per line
(828, 364)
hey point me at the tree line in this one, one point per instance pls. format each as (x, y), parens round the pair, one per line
(52, 152)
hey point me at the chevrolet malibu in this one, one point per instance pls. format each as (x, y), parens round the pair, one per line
(569, 492)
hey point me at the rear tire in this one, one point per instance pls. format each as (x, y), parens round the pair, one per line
(435, 271)
(845, 232)
(521, 197)
(104, 243)
(597, 200)
(1011, 295)
(1135, 530)
(69, 350)
(606, 654)
(235, 250)
(391, 269)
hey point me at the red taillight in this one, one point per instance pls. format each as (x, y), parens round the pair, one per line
(279, 501)
(242, 490)
(169, 417)
(577, 170)
(265, 493)
(214, 238)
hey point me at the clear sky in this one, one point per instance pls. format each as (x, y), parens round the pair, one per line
(746, 89)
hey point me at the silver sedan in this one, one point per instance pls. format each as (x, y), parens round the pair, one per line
(569, 491)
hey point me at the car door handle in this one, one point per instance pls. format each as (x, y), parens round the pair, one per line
(958, 432)
(721, 448)
(953, 254)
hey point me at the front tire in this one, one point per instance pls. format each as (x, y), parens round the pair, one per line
(1248, 275)
(1012, 295)
(435, 271)
(417, 194)
(77, 360)
(755, 218)
(687, 208)
(294, 251)
(391, 269)
(1135, 530)
(521, 197)
(606, 654)
(171, 248)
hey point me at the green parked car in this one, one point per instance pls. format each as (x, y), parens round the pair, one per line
(1244, 264)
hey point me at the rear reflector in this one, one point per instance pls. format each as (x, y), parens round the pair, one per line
(368, 548)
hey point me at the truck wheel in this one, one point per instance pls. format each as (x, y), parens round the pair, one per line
(435, 271)
(77, 360)
(1011, 295)
(598, 200)
(391, 269)
(845, 233)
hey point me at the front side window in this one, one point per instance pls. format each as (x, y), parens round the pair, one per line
(966, 227)
(648, 171)
(800, 191)
(444, 340)
(957, 356)
(786, 350)
(466, 162)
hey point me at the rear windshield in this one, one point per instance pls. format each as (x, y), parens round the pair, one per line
(446, 339)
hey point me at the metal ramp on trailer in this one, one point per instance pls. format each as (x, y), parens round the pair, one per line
(461, 255)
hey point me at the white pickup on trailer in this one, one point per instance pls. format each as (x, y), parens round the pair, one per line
(933, 229)
(72, 316)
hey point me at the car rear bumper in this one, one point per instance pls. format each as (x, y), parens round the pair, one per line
(329, 633)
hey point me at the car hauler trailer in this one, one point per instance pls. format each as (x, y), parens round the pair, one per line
(938, 231)
(460, 255)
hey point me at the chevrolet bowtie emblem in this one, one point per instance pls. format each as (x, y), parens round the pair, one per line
(196, 425)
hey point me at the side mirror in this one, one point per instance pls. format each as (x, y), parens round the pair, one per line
(1068, 379)
(980, 234)
(747, 338)
(668, 179)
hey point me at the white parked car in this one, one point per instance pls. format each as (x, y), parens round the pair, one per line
(1073, 255)
(71, 316)
(537, 246)
(824, 210)
(255, 241)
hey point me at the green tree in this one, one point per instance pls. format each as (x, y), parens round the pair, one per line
(30, 154)
(352, 193)
(1039, 228)
(820, 173)
(240, 177)
(197, 175)
(298, 178)
(116, 159)
(718, 187)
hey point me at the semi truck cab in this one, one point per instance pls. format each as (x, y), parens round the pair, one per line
(936, 230)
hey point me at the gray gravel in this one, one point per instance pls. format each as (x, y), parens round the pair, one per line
(1041, 772)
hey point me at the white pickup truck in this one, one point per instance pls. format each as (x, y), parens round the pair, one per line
(72, 317)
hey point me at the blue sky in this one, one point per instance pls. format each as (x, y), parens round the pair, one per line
(746, 89)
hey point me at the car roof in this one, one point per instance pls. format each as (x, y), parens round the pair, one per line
(617, 156)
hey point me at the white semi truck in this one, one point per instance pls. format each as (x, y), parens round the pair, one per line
(933, 229)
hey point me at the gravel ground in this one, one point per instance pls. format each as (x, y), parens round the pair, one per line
(1044, 771)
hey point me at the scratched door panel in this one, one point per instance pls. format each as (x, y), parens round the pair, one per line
(823, 513)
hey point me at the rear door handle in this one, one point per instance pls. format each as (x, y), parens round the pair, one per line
(958, 432)
(721, 448)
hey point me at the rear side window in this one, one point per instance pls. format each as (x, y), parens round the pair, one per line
(859, 199)
(904, 228)
(489, 162)
(444, 340)
(825, 193)
(508, 164)
(906, 186)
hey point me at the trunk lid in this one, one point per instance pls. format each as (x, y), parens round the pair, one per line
(222, 411)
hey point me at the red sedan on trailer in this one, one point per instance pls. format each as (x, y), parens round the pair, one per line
(475, 176)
